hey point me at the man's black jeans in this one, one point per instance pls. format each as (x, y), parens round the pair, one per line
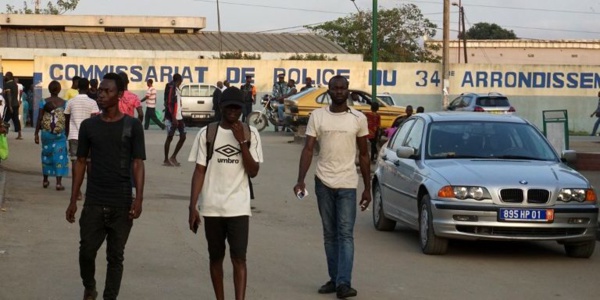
(98, 223)
(14, 116)
(151, 115)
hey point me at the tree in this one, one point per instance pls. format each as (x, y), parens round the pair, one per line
(487, 31)
(400, 33)
(61, 7)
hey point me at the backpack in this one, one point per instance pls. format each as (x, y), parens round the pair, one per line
(54, 122)
(211, 136)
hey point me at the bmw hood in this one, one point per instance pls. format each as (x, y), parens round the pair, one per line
(502, 172)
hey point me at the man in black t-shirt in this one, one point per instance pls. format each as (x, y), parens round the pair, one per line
(115, 143)
(11, 96)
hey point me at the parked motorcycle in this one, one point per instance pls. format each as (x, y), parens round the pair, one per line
(268, 114)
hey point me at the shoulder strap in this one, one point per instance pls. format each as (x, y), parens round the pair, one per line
(211, 136)
(248, 137)
(125, 160)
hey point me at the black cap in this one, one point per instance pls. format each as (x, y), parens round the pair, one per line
(232, 96)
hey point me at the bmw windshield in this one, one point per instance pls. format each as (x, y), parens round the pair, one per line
(477, 139)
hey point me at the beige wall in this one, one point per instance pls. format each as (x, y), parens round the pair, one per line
(525, 52)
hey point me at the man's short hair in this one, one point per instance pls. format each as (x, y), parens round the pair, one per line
(177, 77)
(83, 84)
(117, 79)
(125, 77)
(9, 76)
(150, 81)
(336, 78)
(94, 82)
(75, 78)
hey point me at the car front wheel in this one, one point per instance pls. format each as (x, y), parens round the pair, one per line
(581, 249)
(380, 222)
(430, 243)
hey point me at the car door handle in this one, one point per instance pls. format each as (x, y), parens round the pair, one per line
(200, 101)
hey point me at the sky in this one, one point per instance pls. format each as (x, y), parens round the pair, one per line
(531, 19)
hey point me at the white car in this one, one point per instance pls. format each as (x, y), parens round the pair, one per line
(387, 98)
(196, 103)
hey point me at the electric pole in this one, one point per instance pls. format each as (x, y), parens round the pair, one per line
(219, 27)
(464, 32)
(374, 53)
(446, 55)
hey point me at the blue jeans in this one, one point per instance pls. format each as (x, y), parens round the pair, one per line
(596, 126)
(338, 213)
(280, 113)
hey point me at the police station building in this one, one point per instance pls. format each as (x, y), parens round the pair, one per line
(40, 48)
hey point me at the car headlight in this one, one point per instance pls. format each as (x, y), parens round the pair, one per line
(464, 192)
(579, 195)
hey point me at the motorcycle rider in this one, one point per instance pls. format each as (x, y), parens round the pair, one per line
(249, 91)
(280, 90)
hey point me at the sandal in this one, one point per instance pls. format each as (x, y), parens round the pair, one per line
(59, 187)
(45, 184)
(174, 162)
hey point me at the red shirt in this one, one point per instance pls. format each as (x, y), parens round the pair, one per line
(373, 122)
(128, 103)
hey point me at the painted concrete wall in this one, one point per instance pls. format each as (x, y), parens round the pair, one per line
(530, 88)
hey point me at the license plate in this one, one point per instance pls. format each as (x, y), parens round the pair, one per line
(529, 215)
(199, 116)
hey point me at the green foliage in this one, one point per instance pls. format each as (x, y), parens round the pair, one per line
(487, 31)
(311, 57)
(238, 55)
(400, 33)
(61, 7)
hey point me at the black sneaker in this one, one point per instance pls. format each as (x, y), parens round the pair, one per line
(344, 291)
(327, 288)
(90, 294)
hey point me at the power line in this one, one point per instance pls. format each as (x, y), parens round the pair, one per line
(273, 7)
(291, 27)
(512, 7)
(538, 28)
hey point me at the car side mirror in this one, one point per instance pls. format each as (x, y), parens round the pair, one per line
(569, 156)
(405, 152)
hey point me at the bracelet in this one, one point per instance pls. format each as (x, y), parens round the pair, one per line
(244, 142)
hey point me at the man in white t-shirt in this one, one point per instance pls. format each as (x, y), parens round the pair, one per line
(339, 129)
(150, 99)
(78, 109)
(225, 204)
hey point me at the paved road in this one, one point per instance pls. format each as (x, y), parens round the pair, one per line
(164, 260)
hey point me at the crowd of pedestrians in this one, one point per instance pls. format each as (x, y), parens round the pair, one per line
(99, 127)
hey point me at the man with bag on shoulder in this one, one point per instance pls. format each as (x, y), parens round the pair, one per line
(115, 143)
(225, 204)
(597, 114)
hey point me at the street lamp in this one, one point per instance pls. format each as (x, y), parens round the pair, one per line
(461, 24)
(219, 28)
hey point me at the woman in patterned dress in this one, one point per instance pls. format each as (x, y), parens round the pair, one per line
(51, 121)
